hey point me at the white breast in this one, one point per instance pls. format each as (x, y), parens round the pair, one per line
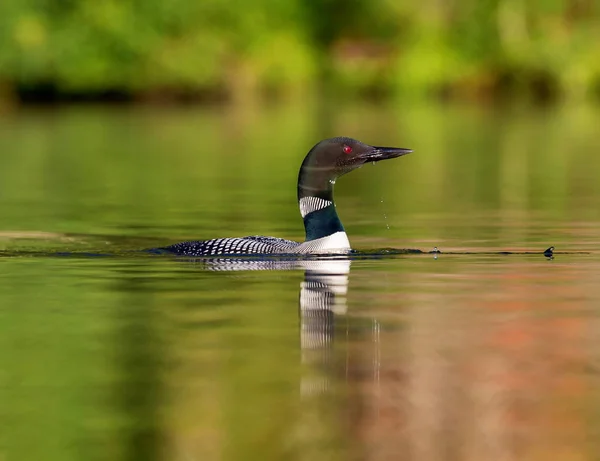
(336, 243)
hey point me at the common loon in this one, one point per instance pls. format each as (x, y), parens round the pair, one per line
(325, 162)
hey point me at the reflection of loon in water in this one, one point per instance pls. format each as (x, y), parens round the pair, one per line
(325, 162)
(322, 297)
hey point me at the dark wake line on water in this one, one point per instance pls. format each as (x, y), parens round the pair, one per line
(502, 253)
(548, 253)
(410, 251)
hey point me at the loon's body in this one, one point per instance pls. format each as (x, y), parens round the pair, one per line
(325, 234)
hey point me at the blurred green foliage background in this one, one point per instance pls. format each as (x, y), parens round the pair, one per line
(239, 49)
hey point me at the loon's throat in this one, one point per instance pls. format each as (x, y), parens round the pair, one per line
(315, 180)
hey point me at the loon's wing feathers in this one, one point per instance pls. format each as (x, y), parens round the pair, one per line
(253, 244)
(270, 240)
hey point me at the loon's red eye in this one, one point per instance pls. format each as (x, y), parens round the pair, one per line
(347, 149)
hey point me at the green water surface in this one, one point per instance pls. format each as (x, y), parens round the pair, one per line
(133, 357)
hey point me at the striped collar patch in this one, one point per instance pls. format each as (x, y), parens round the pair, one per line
(310, 204)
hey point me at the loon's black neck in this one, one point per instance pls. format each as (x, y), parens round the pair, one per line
(315, 198)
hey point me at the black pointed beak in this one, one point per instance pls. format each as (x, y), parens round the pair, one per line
(385, 153)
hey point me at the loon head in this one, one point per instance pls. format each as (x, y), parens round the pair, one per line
(325, 162)
(332, 158)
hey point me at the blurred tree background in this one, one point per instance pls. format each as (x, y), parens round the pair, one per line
(237, 49)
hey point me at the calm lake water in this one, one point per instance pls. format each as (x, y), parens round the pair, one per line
(471, 355)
